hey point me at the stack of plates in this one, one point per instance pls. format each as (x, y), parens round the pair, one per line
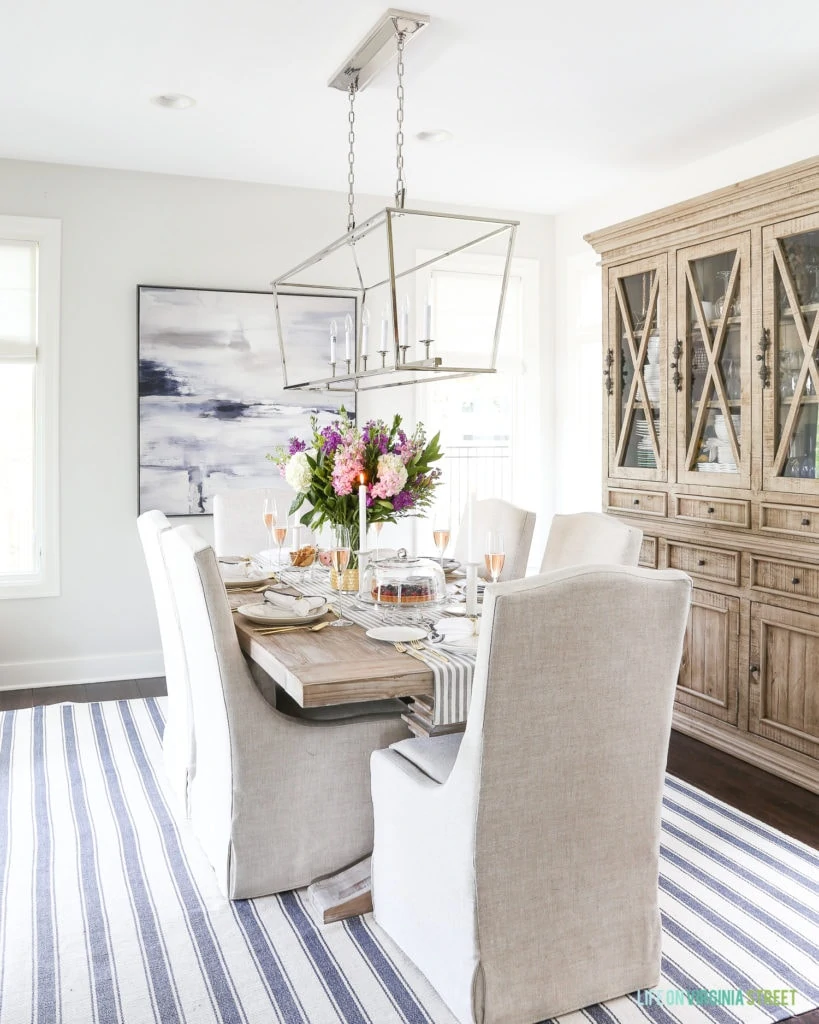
(651, 375)
(645, 450)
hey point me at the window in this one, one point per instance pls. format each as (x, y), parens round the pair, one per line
(29, 328)
(491, 426)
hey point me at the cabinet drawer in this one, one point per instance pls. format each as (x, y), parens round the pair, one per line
(648, 553)
(723, 511)
(796, 520)
(790, 579)
(708, 563)
(644, 503)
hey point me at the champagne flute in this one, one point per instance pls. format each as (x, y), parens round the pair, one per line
(340, 554)
(495, 556)
(377, 527)
(441, 535)
(269, 515)
(280, 532)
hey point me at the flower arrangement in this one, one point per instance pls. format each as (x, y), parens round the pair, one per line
(327, 472)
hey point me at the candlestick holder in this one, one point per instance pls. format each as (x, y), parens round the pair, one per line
(383, 360)
(333, 366)
(426, 342)
(364, 363)
(404, 350)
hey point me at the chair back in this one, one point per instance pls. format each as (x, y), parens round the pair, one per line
(567, 737)
(178, 742)
(222, 680)
(238, 526)
(517, 526)
(590, 538)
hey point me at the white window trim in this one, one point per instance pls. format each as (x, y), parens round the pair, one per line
(47, 234)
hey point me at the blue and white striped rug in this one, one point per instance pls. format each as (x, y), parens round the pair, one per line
(109, 912)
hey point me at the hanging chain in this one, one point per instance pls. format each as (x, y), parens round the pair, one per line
(351, 157)
(400, 184)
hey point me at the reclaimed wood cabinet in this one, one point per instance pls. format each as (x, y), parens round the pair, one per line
(711, 446)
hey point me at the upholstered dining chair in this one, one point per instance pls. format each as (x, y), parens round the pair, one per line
(278, 801)
(238, 527)
(178, 740)
(590, 538)
(517, 864)
(517, 526)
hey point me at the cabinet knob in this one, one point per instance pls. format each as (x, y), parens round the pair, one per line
(806, 521)
(754, 669)
(701, 561)
(795, 581)
(711, 510)
(636, 501)
(755, 672)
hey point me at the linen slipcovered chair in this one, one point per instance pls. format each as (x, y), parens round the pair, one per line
(590, 538)
(517, 526)
(238, 526)
(517, 864)
(178, 741)
(278, 801)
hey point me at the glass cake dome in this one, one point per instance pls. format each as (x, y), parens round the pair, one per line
(404, 587)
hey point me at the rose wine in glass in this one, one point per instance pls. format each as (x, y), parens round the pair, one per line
(441, 535)
(495, 555)
(269, 515)
(340, 554)
(280, 532)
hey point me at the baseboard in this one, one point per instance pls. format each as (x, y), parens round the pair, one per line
(73, 671)
(756, 750)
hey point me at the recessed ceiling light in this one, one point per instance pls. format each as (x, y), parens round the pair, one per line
(435, 135)
(174, 101)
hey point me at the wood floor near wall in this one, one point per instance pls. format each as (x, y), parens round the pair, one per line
(778, 803)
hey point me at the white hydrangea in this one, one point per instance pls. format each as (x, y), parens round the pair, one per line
(298, 473)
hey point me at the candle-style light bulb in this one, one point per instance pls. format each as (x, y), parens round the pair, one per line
(405, 313)
(348, 335)
(428, 317)
(385, 327)
(365, 330)
(333, 336)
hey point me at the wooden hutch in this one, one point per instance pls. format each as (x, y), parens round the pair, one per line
(711, 446)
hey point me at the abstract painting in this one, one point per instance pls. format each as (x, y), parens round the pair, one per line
(211, 395)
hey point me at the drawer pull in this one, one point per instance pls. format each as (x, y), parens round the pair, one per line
(711, 509)
(700, 561)
(754, 669)
(636, 501)
(795, 581)
(806, 521)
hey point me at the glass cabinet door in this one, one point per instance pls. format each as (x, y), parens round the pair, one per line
(635, 370)
(789, 370)
(711, 363)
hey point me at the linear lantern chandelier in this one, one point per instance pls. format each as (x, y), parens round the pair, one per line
(393, 265)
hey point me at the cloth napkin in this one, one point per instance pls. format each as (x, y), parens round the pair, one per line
(293, 605)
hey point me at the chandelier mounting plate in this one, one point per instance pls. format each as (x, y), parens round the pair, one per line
(377, 48)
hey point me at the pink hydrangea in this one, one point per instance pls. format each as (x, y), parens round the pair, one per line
(392, 475)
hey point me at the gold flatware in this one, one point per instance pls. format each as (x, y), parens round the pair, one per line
(413, 654)
(418, 646)
(291, 629)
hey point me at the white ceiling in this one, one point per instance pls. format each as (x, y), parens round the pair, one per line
(549, 103)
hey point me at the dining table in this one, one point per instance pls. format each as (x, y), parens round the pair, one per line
(345, 666)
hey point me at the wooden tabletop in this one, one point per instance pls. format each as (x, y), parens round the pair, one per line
(334, 666)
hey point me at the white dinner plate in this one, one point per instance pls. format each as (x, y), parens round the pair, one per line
(460, 609)
(462, 644)
(266, 614)
(396, 634)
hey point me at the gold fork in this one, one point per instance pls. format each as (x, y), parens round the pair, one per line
(418, 646)
(291, 629)
(413, 654)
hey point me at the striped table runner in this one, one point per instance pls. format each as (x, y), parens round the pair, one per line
(453, 678)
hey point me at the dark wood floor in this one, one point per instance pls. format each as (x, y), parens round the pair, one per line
(780, 804)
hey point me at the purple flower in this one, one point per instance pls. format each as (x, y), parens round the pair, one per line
(403, 500)
(297, 445)
(331, 438)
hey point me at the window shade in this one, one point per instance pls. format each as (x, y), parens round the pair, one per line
(18, 299)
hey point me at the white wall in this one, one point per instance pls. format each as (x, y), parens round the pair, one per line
(578, 302)
(121, 229)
